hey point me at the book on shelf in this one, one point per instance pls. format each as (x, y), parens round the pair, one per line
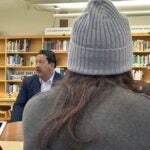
(21, 45)
(56, 44)
(9, 74)
(13, 88)
(141, 45)
(141, 60)
(32, 61)
(137, 74)
(60, 70)
(14, 60)
(18, 75)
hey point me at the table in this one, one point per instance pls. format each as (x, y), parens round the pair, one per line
(12, 132)
(6, 102)
(11, 145)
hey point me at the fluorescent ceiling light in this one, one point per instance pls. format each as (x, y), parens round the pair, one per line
(137, 13)
(80, 5)
(70, 15)
(54, 1)
(132, 3)
(129, 7)
(127, 13)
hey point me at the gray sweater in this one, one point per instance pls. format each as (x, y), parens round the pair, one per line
(120, 121)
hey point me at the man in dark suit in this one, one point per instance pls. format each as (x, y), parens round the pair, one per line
(42, 81)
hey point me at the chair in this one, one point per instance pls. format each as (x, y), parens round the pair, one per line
(5, 112)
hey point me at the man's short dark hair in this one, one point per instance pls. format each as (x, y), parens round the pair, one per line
(50, 55)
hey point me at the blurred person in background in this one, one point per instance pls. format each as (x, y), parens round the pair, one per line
(95, 106)
(42, 81)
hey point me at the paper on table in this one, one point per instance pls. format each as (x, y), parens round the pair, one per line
(2, 126)
(11, 145)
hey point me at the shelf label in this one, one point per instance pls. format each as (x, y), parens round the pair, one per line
(57, 31)
(140, 29)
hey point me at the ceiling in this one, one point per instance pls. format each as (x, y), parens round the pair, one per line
(14, 5)
(128, 7)
(55, 1)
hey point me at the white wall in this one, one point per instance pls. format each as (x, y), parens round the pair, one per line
(139, 20)
(23, 19)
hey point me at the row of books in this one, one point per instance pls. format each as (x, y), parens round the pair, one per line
(141, 45)
(19, 45)
(13, 88)
(56, 45)
(141, 60)
(61, 71)
(137, 74)
(14, 60)
(18, 75)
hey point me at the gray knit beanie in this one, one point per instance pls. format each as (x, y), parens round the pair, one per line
(101, 42)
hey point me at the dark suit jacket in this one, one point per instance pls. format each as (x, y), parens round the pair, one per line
(30, 87)
(146, 89)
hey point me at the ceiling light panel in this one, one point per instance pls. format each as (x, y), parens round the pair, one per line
(55, 1)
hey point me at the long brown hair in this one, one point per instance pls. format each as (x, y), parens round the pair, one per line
(78, 91)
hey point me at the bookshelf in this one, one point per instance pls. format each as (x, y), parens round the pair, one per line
(141, 47)
(21, 48)
(17, 60)
(2, 64)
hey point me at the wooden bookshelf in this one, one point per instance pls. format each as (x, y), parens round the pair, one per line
(141, 51)
(38, 42)
(7, 101)
(22, 48)
(11, 47)
(25, 53)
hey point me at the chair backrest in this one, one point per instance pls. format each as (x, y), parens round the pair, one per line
(5, 112)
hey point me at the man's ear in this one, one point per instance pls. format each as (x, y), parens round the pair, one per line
(52, 65)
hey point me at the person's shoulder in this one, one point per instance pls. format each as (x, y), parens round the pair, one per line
(132, 98)
(57, 76)
(30, 79)
(131, 93)
(37, 111)
(146, 88)
(42, 103)
(123, 103)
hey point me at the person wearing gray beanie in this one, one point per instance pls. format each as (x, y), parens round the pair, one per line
(97, 105)
(101, 41)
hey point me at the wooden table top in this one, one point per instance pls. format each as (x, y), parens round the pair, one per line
(11, 145)
(12, 132)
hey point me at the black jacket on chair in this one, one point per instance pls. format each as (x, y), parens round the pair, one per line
(30, 87)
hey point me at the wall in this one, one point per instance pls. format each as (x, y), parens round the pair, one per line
(21, 18)
(137, 20)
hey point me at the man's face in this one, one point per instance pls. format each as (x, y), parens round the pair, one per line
(43, 68)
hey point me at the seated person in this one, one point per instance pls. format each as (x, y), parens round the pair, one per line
(95, 106)
(42, 81)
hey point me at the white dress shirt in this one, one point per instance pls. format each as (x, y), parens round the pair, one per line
(46, 86)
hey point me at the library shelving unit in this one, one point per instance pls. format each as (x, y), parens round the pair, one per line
(60, 45)
(141, 47)
(18, 59)
(2, 64)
